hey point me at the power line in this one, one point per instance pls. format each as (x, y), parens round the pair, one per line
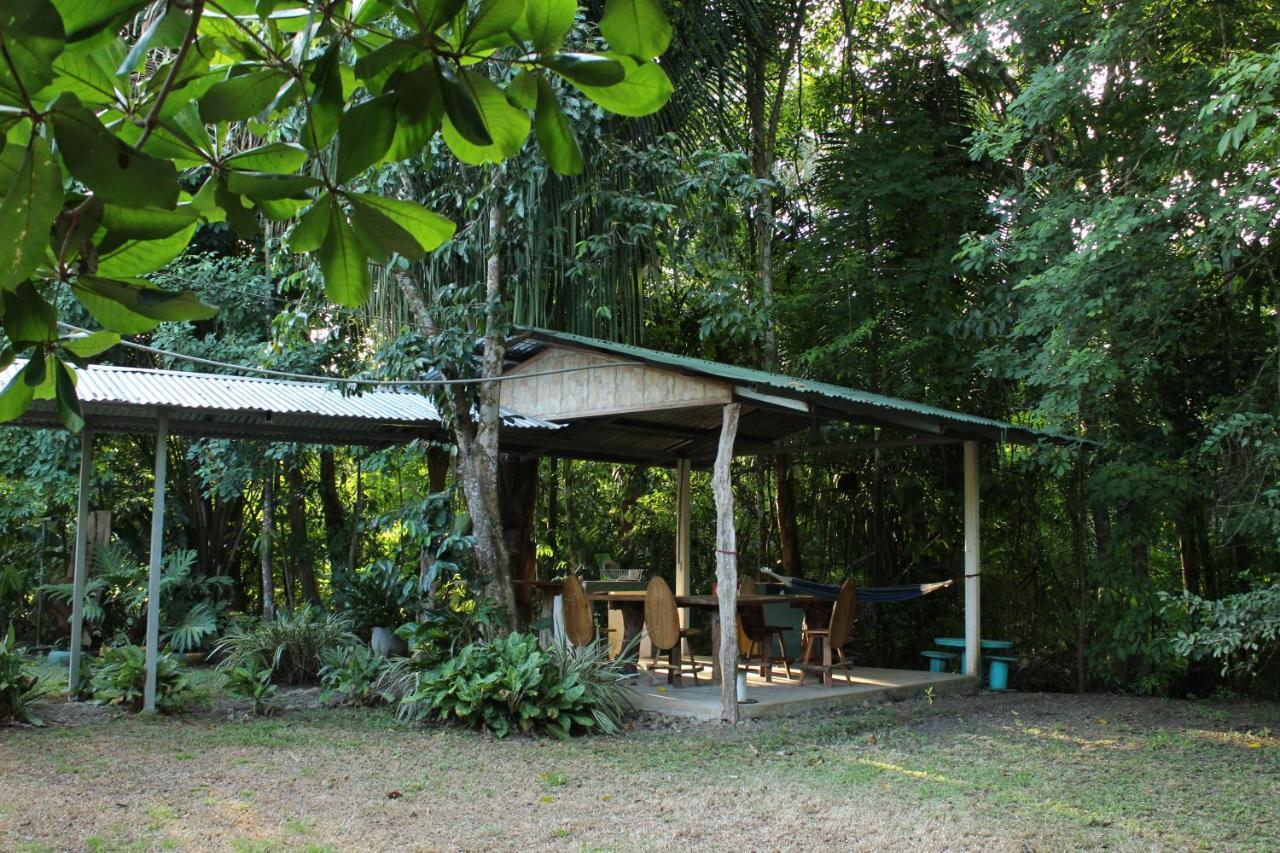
(309, 377)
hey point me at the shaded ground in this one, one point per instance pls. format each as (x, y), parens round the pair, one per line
(1009, 772)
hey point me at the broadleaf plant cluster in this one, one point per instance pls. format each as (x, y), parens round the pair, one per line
(123, 122)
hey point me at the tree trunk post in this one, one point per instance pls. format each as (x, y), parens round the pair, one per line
(81, 570)
(972, 563)
(153, 572)
(727, 565)
(684, 535)
(268, 529)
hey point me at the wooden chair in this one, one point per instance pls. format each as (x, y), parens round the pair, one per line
(662, 621)
(756, 636)
(579, 626)
(832, 638)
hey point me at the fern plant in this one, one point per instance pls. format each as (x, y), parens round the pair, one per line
(18, 688)
(290, 645)
(253, 681)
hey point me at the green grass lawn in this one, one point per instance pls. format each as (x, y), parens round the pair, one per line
(1004, 772)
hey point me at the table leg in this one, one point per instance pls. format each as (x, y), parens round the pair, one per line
(828, 680)
(632, 625)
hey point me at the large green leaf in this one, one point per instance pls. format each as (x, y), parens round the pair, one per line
(636, 27)
(508, 126)
(493, 18)
(147, 224)
(139, 257)
(324, 107)
(28, 318)
(133, 306)
(84, 18)
(364, 135)
(644, 91)
(547, 22)
(343, 262)
(27, 213)
(87, 346)
(555, 136)
(67, 404)
(32, 35)
(428, 228)
(17, 395)
(269, 185)
(461, 107)
(116, 171)
(380, 237)
(312, 226)
(241, 97)
(437, 12)
(587, 69)
(272, 157)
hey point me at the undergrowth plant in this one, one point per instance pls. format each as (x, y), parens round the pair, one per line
(18, 688)
(351, 675)
(290, 645)
(510, 685)
(120, 678)
(252, 680)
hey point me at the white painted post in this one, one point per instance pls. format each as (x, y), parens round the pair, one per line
(683, 535)
(972, 563)
(727, 565)
(153, 573)
(81, 563)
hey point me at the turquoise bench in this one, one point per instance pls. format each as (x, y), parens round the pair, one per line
(998, 671)
(939, 661)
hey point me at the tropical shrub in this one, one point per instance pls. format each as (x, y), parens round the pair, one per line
(193, 607)
(252, 680)
(18, 688)
(1240, 632)
(290, 645)
(510, 684)
(457, 619)
(120, 678)
(378, 595)
(351, 675)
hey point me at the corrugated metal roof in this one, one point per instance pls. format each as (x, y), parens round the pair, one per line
(218, 404)
(850, 401)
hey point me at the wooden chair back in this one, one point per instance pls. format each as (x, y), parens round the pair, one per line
(661, 616)
(579, 627)
(842, 615)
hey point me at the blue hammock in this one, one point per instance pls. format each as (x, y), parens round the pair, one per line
(868, 594)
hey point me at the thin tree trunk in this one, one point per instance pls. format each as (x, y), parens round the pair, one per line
(268, 591)
(727, 564)
(300, 555)
(785, 508)
(518, 495)
(337, 536)
(1082, 578)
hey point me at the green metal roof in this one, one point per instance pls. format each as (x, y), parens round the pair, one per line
(839, 402)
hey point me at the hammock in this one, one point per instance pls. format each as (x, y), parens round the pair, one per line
(868, 594)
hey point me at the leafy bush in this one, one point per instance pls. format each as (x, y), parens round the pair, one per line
(120, 678)
(290, 645)
(115, 599)
(351, 675)
(253, 681)
(510, 684)
(378, 595)
(1241, 632)
(17, 688)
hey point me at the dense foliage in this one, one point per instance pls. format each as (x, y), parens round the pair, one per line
(18, 687)
(291, 645)
(119, 677)
(1054, 212)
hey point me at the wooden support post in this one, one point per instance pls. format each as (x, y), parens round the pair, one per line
(727, 565)
(153, 572)
(683, 535)
(79, 578)
(972, 563)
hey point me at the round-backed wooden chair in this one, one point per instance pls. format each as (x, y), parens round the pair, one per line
(832, 638)
(662, 622)
(579, 626)
(756, 636)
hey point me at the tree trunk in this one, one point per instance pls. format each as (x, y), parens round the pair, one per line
(268, 592)
(437, 481)
(727, 565)
(785, 507)
(518, 493)
(1082, 577)
(304, 568)
(477, 434)
(337, 535)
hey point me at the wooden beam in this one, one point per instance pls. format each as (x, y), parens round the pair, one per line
(773, 400)
(727, 565)
(838, 447)
(684, 535)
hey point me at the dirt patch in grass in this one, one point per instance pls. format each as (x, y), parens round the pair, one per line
(1004, 772)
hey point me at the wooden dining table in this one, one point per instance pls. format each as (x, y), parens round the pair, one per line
(631, 605)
